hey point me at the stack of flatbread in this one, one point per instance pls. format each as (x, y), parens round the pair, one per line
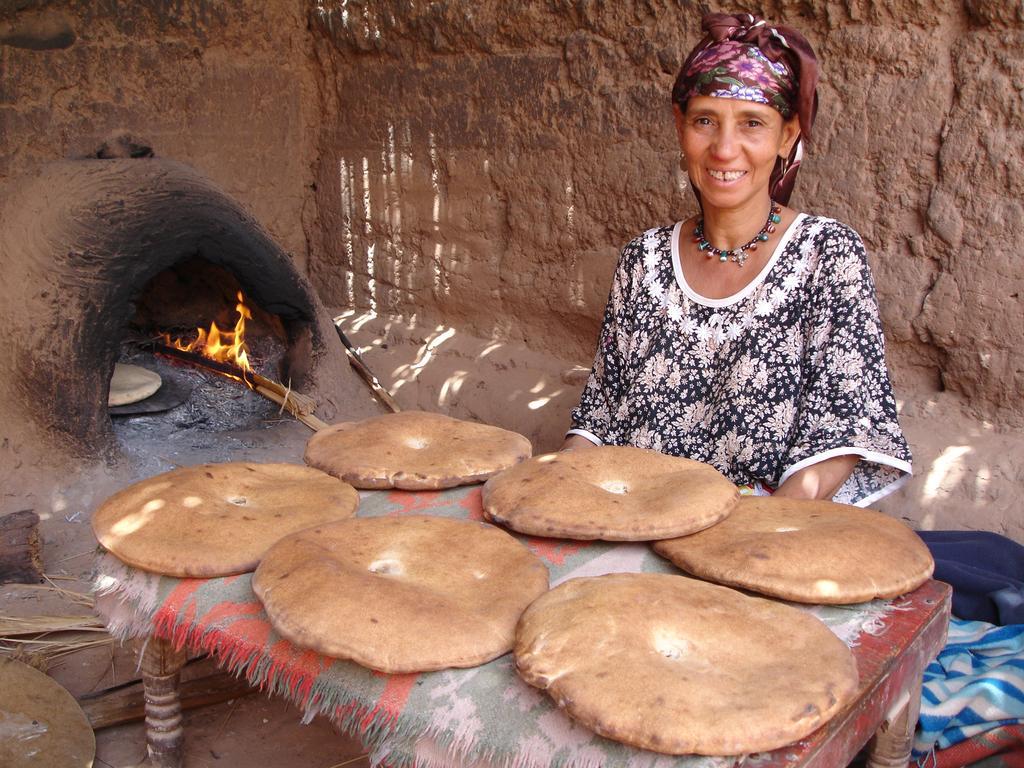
(400, 594)
(610, 492)
(217, 519)
(661, 662)
(415, 450)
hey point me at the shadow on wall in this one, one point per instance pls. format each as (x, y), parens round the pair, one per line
(498, 264)
(433, 367)
(371, 206)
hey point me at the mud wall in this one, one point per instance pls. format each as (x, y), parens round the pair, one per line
(226, 87)
(486, 164)
(482, 163)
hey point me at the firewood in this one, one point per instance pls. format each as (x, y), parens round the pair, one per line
(308, 419)
(21, 551)
(299, 405)
(355, 360)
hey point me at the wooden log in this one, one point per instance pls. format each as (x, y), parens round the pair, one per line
(21, 551)
(125, 703)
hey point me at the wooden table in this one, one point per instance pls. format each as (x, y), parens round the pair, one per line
(890, 661)
(885, 711)
(891, 665)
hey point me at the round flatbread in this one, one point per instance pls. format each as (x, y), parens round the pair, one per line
(414, 450)
(680, 666)
(400, 594)
(806, 551)
(41, 724)
(610, 492)
(217, 519)
(130, 384)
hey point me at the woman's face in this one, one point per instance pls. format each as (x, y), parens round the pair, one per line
(731, 146)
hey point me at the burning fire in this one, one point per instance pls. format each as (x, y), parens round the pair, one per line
(222, 346)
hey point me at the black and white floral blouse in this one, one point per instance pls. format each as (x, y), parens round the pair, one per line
(786, 373)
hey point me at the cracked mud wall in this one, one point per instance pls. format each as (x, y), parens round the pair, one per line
(226, 87)
(485, 161)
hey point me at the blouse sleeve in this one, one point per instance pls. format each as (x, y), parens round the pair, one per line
(846, 405)
(595, 416)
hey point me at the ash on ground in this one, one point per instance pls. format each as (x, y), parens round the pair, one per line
(221, 420)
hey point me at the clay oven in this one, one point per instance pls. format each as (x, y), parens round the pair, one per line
(94, 247)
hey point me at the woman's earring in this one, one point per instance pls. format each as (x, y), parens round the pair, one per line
(682, 162)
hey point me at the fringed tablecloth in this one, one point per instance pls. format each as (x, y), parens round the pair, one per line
(426, 719)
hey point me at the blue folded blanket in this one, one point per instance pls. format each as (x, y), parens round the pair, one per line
(986, 571)
(975, 685)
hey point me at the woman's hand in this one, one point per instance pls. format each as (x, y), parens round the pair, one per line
(576, 442)
(818, 481)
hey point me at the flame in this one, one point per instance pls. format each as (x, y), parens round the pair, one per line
(222, 346)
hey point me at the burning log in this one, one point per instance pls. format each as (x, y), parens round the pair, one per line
(299, 405)
(226, 352)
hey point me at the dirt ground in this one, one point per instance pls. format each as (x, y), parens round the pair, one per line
(239, 734)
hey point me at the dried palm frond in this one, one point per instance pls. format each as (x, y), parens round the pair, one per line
(79, 598)
(41, 640)
(18, 626)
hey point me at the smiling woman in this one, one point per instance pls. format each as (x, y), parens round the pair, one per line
(731, 147)
(748, 337)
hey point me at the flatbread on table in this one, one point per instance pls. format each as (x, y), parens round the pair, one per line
(614, 493)
(400, 594)
(679, 666)
(41, 724)
(131, 384)
(806, 551)
(217, 519)
(414, 450)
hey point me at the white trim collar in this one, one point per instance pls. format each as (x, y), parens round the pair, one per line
(677, 267)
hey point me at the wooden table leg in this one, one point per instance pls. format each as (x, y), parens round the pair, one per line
(894, 739)
(161, 671)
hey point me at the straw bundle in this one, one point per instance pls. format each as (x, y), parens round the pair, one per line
(41, 640)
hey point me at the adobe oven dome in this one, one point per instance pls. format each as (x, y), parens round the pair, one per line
(79, 241)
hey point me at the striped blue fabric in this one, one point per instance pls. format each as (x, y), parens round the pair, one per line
(975, 684)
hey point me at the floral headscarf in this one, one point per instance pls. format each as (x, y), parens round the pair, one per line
(735, 70)
(741, 57)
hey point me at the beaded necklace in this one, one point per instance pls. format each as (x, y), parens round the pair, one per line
(739, 255)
